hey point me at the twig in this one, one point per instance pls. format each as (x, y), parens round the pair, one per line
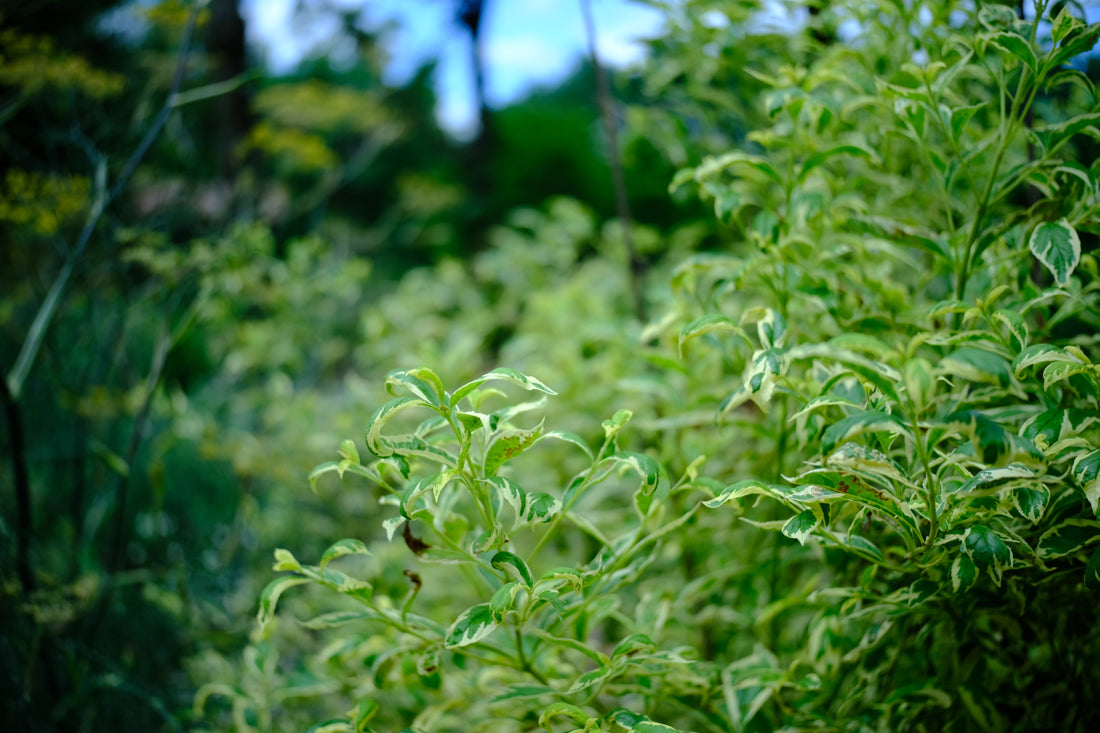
(160, 355)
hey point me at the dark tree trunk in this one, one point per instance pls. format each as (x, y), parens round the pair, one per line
(225, 42)
(470, 14)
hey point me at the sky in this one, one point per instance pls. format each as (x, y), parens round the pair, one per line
(528, 43)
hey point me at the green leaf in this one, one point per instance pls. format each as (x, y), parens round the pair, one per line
(960, 117)
(349, 451)
(646, 468)
(801, 526)
(988, 551)
(339, 618)
(709, 324)
(568, 437)
(502, 374)
(515, 691)
(1092, 571)
(1077, 41)
(284, 560)
(1067, 538)
(615, 423)
(964, 574)
(1086, 471)
(1016, 46)
(341, 548)
(989, 478)
(1061, 371)
(541, 507)
(632, 645)
(649, 726)
(737, 490)
(1055, 425)
(713, 165)
(590, 678)
(507, 444)
(364, 711)
(502, 600)
(269, 597)
(919, 381)
(1014, 327)
(1058, 247)
(557, 709)
(856, 457)
(423, 383)
(1064, 24)
(559, 577)
(376, 443)
(771, 327)
(883, 376)
(1031, 501)
(818, 158)
(512, 494)
(991, 442)
(516, 563)
(1037, 354)
(472, 625)
(976, 365)
(859, 423)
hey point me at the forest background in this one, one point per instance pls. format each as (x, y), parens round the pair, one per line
(209, 271)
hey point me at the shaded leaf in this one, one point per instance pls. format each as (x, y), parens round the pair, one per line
(1092, 571)
(988, 551)
(964, 573)
(1067, 538)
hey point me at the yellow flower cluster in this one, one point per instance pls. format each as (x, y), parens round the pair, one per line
(42, 203)
(33, 65)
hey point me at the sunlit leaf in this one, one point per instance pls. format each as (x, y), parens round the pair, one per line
(471, 626)
(801, 526)
(1086, 471)
(507, 444)
(515, 562)
(269, 597)
(341, 548)
(1058, 247)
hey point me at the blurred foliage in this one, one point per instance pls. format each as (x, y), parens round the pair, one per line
(240, 300)
(227, 318)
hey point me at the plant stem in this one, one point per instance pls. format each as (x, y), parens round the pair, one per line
(21, 482)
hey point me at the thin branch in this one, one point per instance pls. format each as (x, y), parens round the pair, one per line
(160, 355)
(21, 481)
(622, 204)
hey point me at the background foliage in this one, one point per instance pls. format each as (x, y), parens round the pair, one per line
(811, 443)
